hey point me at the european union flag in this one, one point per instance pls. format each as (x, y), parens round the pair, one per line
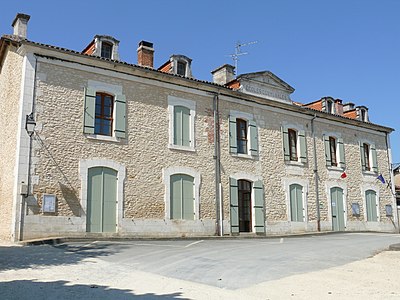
(380, 177)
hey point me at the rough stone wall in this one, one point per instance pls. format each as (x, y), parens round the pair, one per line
(10, 81)
(61, 144)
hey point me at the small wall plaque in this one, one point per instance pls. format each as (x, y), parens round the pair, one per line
(389, 210)
(356, 209)
(49, 203)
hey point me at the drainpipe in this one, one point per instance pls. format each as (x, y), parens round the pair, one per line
(315, 169)
(217, 158)
(392, 187)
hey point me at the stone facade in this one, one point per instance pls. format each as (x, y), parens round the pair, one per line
(62, 154)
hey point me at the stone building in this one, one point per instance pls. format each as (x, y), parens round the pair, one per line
(95, 146)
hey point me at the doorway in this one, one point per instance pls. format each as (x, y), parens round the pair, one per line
(244, 202)
(101, 200)
(337, 207)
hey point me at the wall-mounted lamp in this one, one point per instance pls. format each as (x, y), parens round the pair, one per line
(30, 124)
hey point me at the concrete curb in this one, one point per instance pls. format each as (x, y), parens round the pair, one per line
(61, 240)
(394, 247)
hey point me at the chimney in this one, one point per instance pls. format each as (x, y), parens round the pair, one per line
(348, 106)
(223, 74)
(145, 54)
(20, 25)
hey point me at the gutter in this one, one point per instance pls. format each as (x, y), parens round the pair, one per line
(217, 158)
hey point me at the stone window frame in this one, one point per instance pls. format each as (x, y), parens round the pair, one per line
(287, 182)
(372, 155)
(112, 90)
(166, 175)
(298, 128)
(191, 105)
(337, 136)
(84, 166)
(247, 117)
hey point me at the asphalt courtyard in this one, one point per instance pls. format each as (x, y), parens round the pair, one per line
(181, 269)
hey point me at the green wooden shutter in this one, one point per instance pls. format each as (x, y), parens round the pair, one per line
(374, 159)
(109, 201)
(371, 206)
(286, 150)
(303, 146)
(253, 138)
(328, 158)
(176, 197)
(89, 111)
(259, 207)
(178, 125)
(185, 126)
(120, 116)
(187, 197)
(234, 198)
(232, 135)
(363, 165)
(342, 161)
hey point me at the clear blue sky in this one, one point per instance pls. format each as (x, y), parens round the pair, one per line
(345, 49)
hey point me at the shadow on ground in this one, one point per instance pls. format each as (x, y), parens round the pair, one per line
(31, 289)
(14, 258)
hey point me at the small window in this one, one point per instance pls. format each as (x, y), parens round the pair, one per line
(332, 149)
(330, 106)
(241, 131)
(106, 50)
(181, 68)
(104, 114)
(366, 157)
(293, 144)
(363, 115)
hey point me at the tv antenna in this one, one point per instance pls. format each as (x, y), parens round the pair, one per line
(238, 52)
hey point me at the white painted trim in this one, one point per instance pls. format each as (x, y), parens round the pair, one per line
(328, 186)
(100, 137)
(297, 127)
(287, 182)
(22, 147)
(166, 175)
(252, 178)
(84, 166)
(190, 104)
(373, 187)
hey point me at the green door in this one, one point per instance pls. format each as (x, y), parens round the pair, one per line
(371, 206)
(102, 200)
(337, 209)
(296, 203)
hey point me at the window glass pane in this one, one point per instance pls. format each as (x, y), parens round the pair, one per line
(107, 111)
(181, 68)
(104, 111)
(332, 146)
(293, 144)
(241, 132)
(98, 109)
(366, 157)
(106, 50)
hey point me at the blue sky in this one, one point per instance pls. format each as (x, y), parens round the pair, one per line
(345, 49)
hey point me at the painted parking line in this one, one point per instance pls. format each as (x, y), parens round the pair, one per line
(194, 243)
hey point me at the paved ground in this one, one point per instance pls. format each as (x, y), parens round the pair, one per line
(200, 269)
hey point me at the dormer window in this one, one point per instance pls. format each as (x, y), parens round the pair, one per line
(330, 107)
(181, 68)
(106, 50)
(363, 115)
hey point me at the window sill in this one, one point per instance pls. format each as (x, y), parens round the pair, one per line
(335, 169)
(242, 155)
(181, 148)
(100, 137)
(369, 173)
(295, 163)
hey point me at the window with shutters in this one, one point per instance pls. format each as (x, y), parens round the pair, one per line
(294, 144)
(334, 152)
(182, 193)
(243, 134)
(182, 197)
(181, 123)
(369, 159)
(104, 113)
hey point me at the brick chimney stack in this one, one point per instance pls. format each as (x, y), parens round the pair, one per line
(20, 25)
(145, 54)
